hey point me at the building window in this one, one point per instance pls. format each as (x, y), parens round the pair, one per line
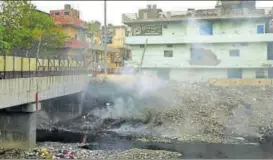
(235, 73)
(234, 53)
(142, 46)
(57, 13)
(206, 29)
(168, 53)
(260, 29)
(260, 73)
(197, 54)
(169, 45)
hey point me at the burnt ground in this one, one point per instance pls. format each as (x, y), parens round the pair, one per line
(100, 137)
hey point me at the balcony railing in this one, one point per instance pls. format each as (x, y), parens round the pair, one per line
(70, 21)
(241, 12)
(202, 13)
(129, 17)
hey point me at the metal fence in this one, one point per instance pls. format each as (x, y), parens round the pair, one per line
(24, 67)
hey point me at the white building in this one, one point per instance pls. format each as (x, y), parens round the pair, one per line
(234, 40)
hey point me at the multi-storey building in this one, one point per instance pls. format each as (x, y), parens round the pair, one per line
(233, 40)
(115, 40)
(75, 28)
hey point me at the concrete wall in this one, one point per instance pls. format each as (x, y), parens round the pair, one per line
(227, 35)
(189, 32)
(118, 40)
(228, 38)
(199, 74)
(251, 55)
(225, 27)
(17, 130)
(71, 32)
(15, 92)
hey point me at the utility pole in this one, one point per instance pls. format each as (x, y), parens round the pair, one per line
(105, 38)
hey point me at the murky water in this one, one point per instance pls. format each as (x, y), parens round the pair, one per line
(114, 141)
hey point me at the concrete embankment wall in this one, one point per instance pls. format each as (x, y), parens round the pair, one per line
(23, 90)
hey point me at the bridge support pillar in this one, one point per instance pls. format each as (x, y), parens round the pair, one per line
(18, 126)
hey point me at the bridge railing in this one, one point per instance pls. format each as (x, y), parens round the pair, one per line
(24, 67)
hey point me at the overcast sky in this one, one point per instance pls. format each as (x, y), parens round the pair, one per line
(93, 10)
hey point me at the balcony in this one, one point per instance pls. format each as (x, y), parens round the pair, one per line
(64, 20)
(200, 14)
(76, 44)
(137, 40)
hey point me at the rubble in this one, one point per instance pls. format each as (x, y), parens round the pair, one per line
(144, 154)
(51, 150)
(202, 109)
(205, 112)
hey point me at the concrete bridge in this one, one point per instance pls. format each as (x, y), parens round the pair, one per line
(31, 86)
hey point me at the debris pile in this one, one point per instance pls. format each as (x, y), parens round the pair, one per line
(144, 154)
(196, 111)
(36, 153)
(51, 150)
(220, 112)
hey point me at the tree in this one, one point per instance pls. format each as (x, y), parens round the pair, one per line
(94, 26)
(28, 29)
(4, 46)
(48, 35)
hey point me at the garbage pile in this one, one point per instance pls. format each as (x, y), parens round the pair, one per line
(36, 153)
(208, 111)
(202, 112)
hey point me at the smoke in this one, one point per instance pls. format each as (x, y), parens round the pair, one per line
(132, 96)
(178, 109)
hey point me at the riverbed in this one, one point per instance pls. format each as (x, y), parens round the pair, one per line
(195, 121)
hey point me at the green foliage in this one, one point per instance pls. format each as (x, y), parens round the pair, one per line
(23, 27)
(4, 46)
(94, 27)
